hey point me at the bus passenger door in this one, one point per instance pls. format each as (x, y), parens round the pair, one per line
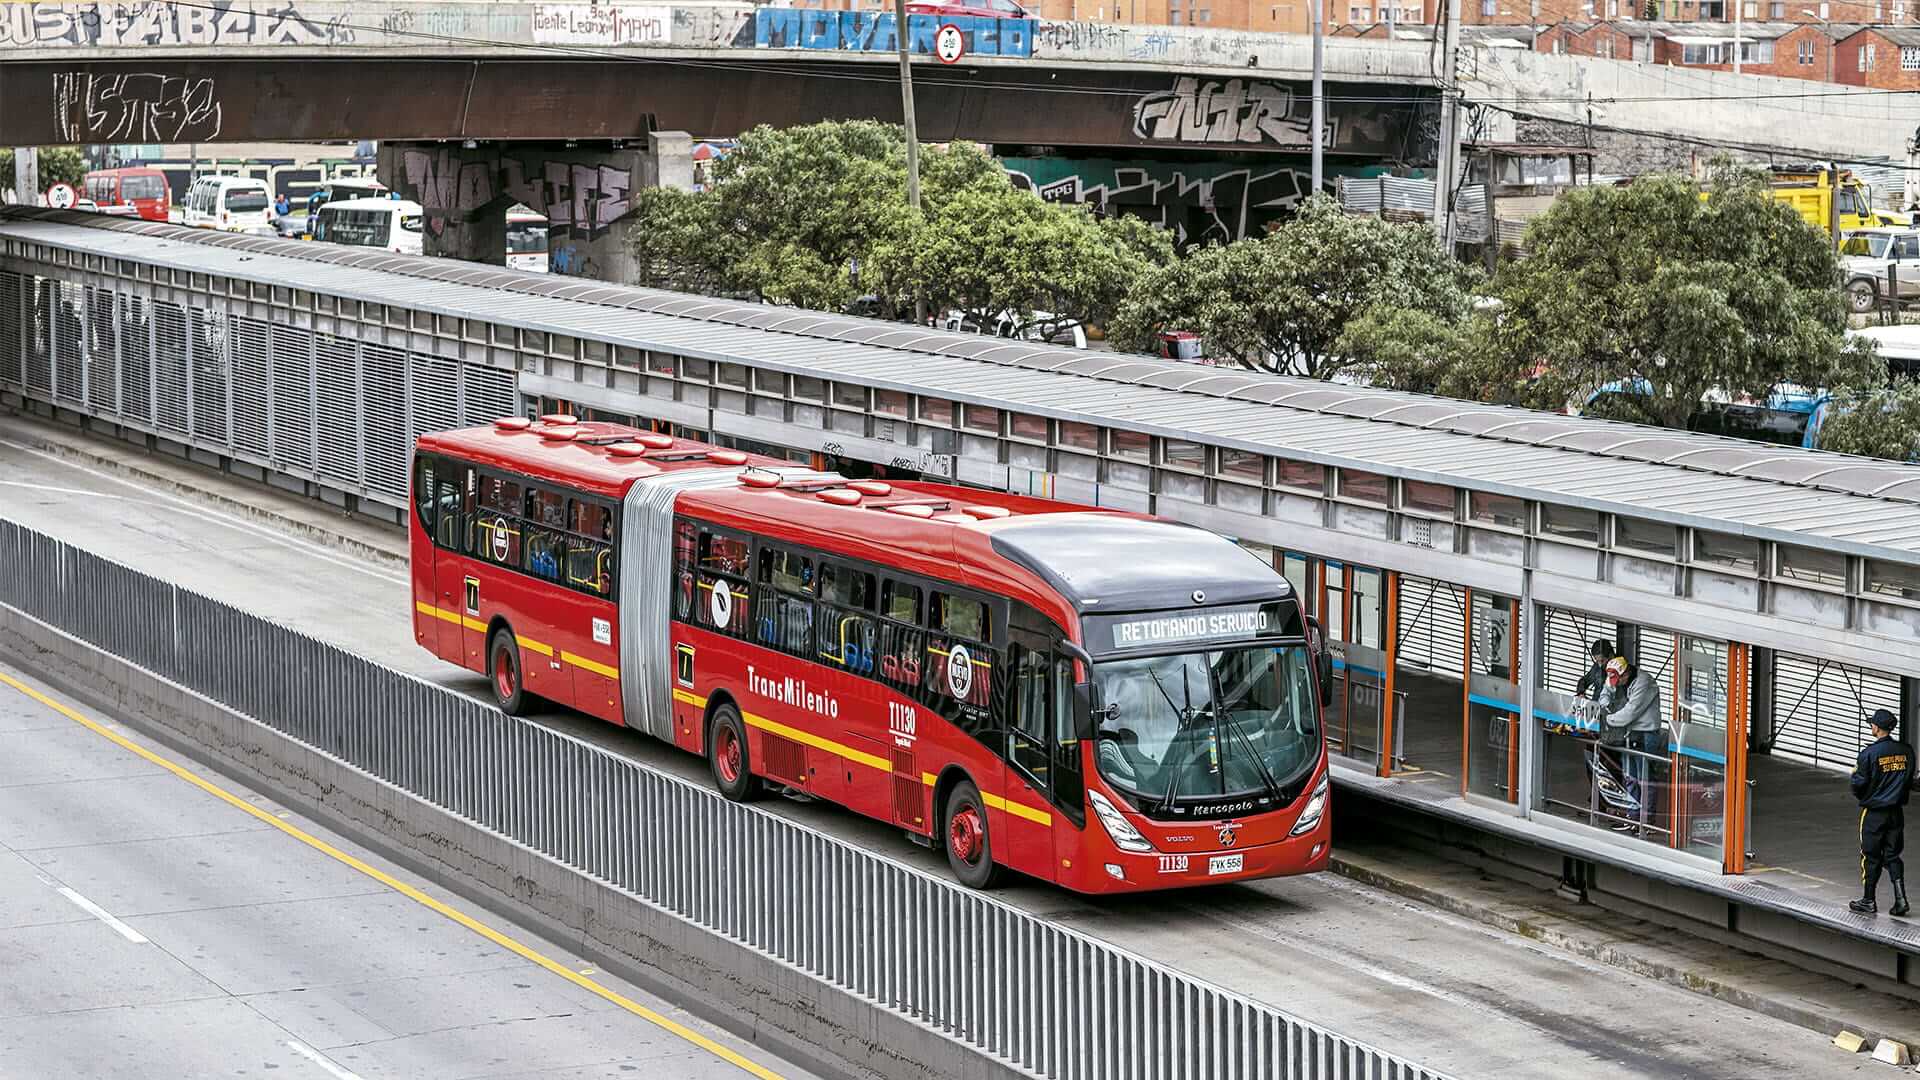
(1028, 787)
(459, 585)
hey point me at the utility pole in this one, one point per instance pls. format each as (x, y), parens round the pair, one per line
(906, 104)
(913, 132)
(1449, 150)
(1319, 130)
(26, 175)
(1738, 9)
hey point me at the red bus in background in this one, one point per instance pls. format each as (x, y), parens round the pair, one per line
(1099, 699)
(130, 192)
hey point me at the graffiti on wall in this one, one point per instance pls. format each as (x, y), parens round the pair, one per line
(1197, 201)
(1201, 110)
(579, 199)
(142, 107)
(872, 31)
(596, 24)
(162, 22)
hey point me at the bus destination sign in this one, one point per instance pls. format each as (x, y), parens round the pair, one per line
(1226, 624)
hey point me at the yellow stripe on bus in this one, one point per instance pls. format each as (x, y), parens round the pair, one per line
(442, 614)
(995, 802)
(531, 645)
(585, 664)
(870, 760)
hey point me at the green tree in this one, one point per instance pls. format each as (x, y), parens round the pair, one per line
(793, 215)
(1652, 288)
(991, 249)
(1324, 294)
(58, 165)
(1880, 421)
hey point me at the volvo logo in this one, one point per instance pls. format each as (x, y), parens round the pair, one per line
(1227, 830)
(1199, 596)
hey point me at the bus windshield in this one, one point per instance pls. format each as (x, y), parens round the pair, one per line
(1203, 726)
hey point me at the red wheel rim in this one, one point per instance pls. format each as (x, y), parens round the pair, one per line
(967, 834)
(727, 755)
(504, 678)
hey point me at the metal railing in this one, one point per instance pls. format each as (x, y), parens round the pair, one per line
(1045, 999)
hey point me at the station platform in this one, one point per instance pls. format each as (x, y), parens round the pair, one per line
(1401, 952)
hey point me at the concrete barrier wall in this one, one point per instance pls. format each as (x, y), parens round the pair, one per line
(748, 992)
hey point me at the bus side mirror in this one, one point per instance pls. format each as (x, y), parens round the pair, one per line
(1322, 660)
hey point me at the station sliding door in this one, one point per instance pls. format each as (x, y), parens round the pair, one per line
(1491, 757)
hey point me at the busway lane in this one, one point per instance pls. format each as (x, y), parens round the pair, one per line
(1453, 994)
(160, 921)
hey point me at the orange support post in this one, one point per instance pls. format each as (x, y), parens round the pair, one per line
(1733, 830)
(1392, 649)
(1513, 724)
(1466, 689)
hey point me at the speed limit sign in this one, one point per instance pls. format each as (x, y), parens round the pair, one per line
(949, 44)
(62, 197)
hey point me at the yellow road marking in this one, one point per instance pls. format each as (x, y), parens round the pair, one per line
(401, 887)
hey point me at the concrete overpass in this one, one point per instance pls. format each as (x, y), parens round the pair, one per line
(183, 70)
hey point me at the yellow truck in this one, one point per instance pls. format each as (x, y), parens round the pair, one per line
(1812, 192)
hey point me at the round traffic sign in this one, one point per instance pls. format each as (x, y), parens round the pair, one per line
(62, 197)
(949, 44)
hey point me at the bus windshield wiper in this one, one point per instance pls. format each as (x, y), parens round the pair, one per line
(1183, 717)
(1233, 724)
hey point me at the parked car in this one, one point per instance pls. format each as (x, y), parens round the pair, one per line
(1073, 334)
(1866, 257)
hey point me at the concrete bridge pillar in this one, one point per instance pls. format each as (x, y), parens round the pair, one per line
(583, 190)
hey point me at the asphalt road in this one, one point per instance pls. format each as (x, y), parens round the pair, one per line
(1452, 994)
(158, 921)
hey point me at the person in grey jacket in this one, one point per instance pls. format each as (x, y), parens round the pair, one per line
(1632, 701)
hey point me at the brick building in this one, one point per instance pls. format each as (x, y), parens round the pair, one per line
(1609, 41)
(1882, 57)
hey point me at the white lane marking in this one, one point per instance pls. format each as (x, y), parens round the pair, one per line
(100, 913)
(320, 1059)
(59, 490)
(212, 516)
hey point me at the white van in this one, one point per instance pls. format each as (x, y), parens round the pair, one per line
(1075, 335)
(389, 224)
(228, 203)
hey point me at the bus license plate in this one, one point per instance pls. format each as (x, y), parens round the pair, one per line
(1225, 864)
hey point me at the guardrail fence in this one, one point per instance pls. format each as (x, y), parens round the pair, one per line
(1050, 1001)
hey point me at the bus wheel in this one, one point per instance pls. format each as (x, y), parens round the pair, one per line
(504, 667)
(727, 755)
(963, 824)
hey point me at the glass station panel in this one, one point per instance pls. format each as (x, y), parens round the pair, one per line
(1360, 664)
(1493, 698)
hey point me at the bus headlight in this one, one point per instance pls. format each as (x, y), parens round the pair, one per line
(1119, 829)
(1316, 807)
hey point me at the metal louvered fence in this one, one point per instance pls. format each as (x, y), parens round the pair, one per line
(237, 377)
(1049, 1001)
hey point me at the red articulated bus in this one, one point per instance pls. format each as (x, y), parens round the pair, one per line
(1103, 700)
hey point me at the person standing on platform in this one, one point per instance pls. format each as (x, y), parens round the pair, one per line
(1882, 782)
(1595, 680)
(1633, 702)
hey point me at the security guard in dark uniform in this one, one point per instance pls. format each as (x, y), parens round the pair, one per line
(1882, 781)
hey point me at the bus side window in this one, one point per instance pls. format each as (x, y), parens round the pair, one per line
(901, 639)
(1068, 789)
(723, 570)
(959, 663)
(424, 471)
(590, 547)
(684, 541)
(848, 634)
(784, 614)
(1033, 722)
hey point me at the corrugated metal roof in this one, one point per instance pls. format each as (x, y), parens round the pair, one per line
(1860, 505)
